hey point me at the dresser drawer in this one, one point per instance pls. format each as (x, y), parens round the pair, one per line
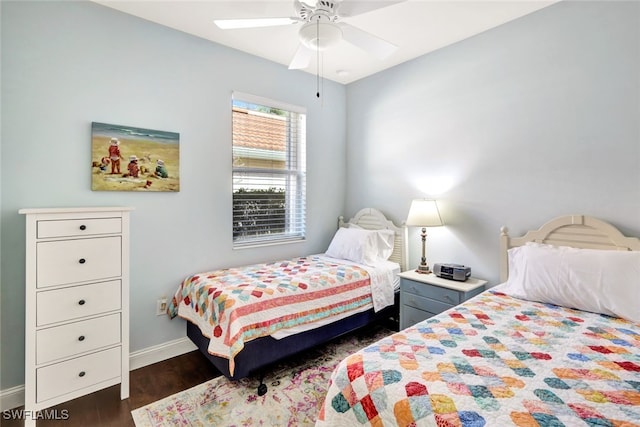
(73, 261)
(78, 337)
(75, 374)
(411, 316)
(78, 227)
(423, 303)
(74, 302)
(438, 293)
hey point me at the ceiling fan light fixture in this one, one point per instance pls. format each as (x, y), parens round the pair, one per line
(320, 35)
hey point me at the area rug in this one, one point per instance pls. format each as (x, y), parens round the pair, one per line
(296, 390)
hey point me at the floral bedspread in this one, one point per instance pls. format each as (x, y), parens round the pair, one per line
(235, 305)
(495, 361)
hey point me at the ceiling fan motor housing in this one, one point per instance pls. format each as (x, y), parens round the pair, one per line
(320, 31)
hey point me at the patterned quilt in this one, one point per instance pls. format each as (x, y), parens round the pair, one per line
(495, 361)
(235, 305)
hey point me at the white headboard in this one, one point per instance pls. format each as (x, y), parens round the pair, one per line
(578, 231)
(373, 219)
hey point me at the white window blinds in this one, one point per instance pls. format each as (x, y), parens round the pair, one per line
(269, 171)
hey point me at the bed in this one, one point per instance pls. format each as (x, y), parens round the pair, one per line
(518, 353)
(245, 319)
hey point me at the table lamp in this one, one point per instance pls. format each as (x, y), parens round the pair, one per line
(424, 213)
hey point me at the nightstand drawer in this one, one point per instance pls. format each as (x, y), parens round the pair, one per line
(78, 227)
(73, 261)
(78, 337)
(411, 316)
(424, 303)
(75, 374)
(448, 296)
(77, 301)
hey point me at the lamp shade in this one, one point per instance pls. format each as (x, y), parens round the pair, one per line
(424, 213)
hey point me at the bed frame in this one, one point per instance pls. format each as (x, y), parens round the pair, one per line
(577, 231)
(262, 352)
(373, 219)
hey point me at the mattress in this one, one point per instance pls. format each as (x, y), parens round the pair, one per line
(497, 361)
(393, 267)
(236, 305)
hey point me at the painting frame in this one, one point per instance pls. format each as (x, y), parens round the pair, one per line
(127, 158)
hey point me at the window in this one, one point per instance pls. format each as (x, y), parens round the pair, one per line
(269, 171)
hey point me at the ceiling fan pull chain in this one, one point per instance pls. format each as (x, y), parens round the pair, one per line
(321, 77)
(318, 58)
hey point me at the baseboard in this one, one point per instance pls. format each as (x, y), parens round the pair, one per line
(158, 353)
(14, 396)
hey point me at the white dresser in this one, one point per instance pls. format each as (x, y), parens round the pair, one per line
(77, 304)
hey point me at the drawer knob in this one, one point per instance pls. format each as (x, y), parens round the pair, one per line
(81, 338)
(449, 298)
(81, 302)
(81, 374)
(82, 260)
(83, 227)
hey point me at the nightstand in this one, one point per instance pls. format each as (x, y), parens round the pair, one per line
(425, 295)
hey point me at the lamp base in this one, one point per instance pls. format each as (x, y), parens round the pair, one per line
(423, 269)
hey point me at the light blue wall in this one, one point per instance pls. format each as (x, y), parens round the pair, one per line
(66, 64)
(534, 119)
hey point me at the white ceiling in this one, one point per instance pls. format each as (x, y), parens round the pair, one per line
(415, 26)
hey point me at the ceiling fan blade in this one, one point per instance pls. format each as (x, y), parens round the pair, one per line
(348, 8)
(301, 59)
(376, 46)
(227, 24)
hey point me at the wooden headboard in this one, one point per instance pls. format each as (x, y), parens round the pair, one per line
(373, 219)
(578, 231)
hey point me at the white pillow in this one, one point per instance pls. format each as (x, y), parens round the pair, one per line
(360, 245)
(600, 281)
(385, 238)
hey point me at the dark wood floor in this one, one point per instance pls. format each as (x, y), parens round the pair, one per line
(147, 384)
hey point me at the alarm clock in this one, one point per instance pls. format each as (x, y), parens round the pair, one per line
(457, 272)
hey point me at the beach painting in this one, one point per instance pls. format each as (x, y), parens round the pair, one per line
(127, 158)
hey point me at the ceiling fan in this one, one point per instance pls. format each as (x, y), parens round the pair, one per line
(322, 27)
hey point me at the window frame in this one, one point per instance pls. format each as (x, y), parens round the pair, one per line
(293, 175)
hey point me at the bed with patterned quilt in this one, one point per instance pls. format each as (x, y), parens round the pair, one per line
(556, 344)
(295, 303)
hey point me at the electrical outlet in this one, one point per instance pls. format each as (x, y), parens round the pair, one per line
(161, 306)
